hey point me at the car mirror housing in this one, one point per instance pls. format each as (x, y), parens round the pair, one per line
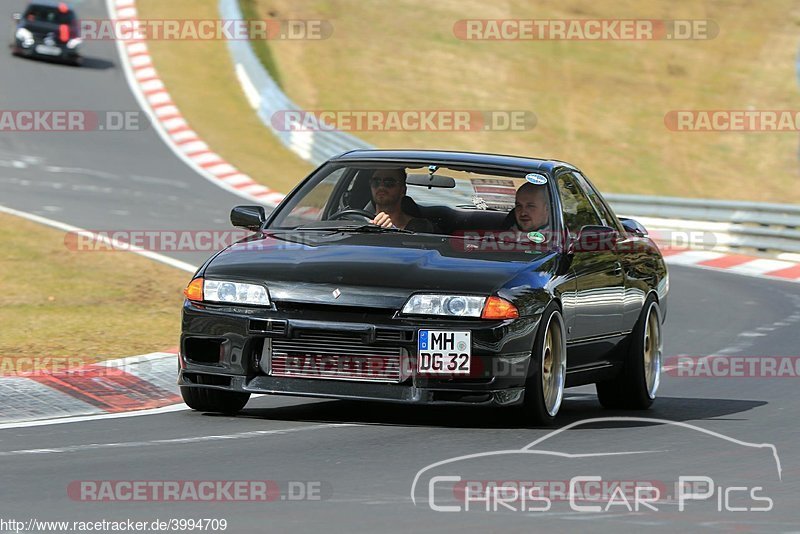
(250, 217)
(633, 227)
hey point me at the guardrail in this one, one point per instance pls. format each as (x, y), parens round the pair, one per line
(267, 99)
(766, 228)
(734, 225)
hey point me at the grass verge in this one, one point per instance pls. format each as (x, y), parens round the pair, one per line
(200, 77)
(250, 11)
(600, 105)
(86, 306)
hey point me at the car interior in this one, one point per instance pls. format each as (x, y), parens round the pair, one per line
(447, 220)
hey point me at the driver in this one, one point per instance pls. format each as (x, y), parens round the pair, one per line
(531, 210)
(388, 187)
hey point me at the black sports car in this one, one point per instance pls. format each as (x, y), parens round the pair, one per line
(48, 30)
(429, 277)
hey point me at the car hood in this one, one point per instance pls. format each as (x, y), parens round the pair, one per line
(379, 270)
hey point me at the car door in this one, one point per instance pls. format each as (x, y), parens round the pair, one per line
(634, 295)
(597, 298)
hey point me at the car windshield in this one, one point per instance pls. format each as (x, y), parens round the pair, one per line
(423, 199)
(50, 14)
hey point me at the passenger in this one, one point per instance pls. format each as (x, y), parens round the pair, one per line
(388, 188)
(531, 209)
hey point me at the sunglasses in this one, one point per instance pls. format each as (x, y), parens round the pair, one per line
(387, 182)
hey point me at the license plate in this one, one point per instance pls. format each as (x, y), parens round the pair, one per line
(444, 352)
(48, 50)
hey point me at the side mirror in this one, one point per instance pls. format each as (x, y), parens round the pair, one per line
(593, 239)
(250, 217)
(17, 16)
(633, 227)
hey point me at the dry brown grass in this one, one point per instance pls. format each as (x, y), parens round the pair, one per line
(201, 79)
(85, 305)
(600, 105)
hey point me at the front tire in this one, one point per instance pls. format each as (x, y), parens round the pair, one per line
(214, 400)
(636, 384)
(545, 388)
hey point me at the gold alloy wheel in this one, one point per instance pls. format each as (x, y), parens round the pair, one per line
(652, 350)
(554, 364)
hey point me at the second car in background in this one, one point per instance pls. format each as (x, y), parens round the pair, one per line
(48, 30)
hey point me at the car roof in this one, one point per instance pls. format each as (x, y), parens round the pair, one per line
(48, 3)
(477, 159)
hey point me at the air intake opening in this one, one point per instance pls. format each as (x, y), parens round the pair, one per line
(203, 350)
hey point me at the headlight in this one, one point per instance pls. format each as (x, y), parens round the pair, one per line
(24, 35)
(449, 305)
(227, 292)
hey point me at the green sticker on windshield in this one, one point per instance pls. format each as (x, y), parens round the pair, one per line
(536, 237)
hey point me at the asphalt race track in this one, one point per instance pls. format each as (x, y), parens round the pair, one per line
(365, 457)
(99, 180)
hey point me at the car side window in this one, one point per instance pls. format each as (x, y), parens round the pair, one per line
(575, 204)
(605, 213)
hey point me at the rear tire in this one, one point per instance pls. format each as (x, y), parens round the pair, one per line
(636, 384)
(214, 400)
(544, 390)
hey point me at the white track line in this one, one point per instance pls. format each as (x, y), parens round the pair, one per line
(83, 418)
(127, 248)
(172, 441)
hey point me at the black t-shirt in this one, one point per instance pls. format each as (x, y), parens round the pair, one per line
(418, 224)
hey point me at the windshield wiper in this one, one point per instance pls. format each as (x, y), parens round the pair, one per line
(365, 228)
(374, 228)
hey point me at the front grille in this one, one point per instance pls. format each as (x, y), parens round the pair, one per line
(335, 356)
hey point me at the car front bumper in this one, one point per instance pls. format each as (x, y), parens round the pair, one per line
(70, 55)
(233, 349)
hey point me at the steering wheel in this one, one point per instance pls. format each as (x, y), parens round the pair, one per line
(349, 213)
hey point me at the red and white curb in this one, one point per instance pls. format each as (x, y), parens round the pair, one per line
(143, 382)
(784, 267)
(735, 263)
(154, 98)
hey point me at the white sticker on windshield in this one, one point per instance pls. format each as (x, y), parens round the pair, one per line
(536, 179)
(479, 203)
